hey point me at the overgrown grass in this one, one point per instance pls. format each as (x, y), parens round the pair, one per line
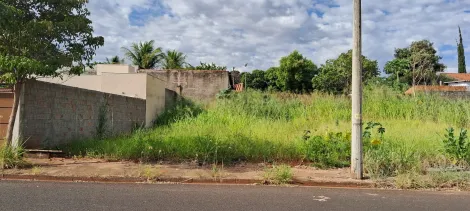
(281, 127)
(11, 157)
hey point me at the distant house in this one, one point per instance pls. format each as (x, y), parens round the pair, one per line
(436, 89)
(457, 79)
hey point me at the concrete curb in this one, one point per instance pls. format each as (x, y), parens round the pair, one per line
(312, 183)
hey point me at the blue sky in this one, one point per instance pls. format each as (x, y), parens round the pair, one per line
(260, 32)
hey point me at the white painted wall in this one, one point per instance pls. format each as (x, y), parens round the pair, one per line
(130, 85)
(460, 84)
(155, 99)
(114, 68)
(90, 82)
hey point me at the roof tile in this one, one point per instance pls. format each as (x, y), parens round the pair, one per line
(436, 89)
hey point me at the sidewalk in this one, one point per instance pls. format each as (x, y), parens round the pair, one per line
(96, 170)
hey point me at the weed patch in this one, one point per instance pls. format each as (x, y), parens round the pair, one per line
(11, 157)
(281, 127)
(278, 175)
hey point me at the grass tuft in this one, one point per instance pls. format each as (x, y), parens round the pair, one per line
(278, 175)
(11, 157)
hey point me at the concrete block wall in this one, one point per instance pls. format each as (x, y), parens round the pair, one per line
(197, 85)
(52, 114)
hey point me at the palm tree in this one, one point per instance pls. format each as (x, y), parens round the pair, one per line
(174, 60)
(114, 60)
(144, 54)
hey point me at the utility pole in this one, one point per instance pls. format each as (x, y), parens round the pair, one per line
(356, 141)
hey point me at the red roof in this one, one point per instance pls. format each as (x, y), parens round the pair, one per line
(458, 76)
(436, 89)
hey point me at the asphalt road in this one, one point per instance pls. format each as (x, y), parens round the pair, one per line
(88, 196)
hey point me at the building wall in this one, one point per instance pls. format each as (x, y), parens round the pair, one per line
(136, 85)
(155, 99)
(53, 114)
(467, 84)
(130, 85)
(114, 68)
(91, 82)
(198, 85)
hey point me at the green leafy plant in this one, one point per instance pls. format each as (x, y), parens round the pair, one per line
(367, 134)
(457, 147)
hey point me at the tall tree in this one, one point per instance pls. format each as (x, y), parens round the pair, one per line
(255, 80)
(271, 78)
(398, 68)
(336, 74)
(416, 64)
(39, 37)
(295, 73)
(174, 60)
(114, 60)
(144, 54)
(461, 54)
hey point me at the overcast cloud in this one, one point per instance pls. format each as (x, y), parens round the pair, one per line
(260, 32)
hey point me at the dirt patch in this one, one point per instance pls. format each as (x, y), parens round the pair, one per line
(97, 168)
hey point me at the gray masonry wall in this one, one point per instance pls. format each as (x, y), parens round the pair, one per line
(52, 114)
(453, 94)
(197, 85)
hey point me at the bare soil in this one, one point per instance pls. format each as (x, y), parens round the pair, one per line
(85, 168)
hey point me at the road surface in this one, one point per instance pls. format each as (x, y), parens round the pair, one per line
(90, 196)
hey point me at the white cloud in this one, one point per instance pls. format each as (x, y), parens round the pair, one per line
(259, 32)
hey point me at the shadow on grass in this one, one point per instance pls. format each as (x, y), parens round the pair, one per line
(179, 110)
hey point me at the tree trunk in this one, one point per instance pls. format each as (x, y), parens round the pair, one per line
(11, 123)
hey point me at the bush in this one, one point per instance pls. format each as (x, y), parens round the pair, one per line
(458, 148)
(331, 150)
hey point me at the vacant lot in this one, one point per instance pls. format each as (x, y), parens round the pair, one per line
(406, 135)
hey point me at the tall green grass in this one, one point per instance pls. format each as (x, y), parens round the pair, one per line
(281, 127)
(11, 157)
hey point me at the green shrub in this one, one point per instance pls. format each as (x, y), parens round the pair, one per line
(331, 150)
(458, 148)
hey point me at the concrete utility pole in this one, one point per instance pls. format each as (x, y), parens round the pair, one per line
(356, 141)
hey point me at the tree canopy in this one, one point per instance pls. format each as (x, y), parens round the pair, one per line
(40, 37)
(173, 60)
(144, 54)
(294, 73)
(256, 79)
(336, 74)
(416, 64)
(461, 54)
(114, 60)
(206, 66)
(49, 33)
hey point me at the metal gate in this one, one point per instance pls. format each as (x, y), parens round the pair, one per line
(6, 104)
